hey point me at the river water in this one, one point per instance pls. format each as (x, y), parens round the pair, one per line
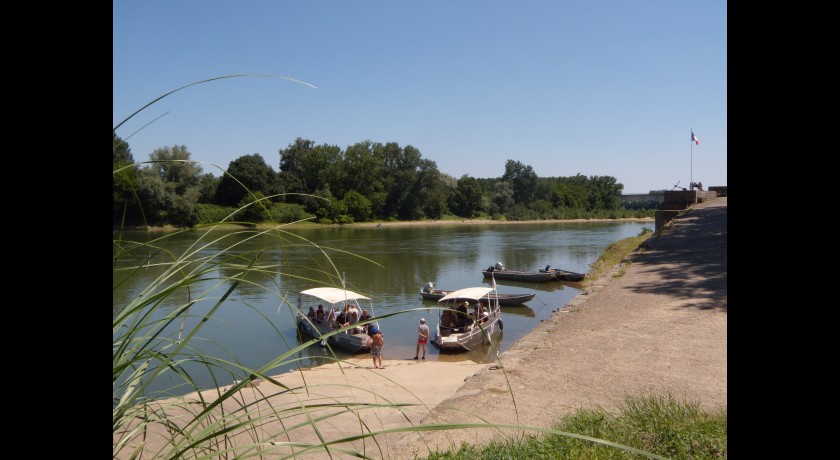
(255, 323)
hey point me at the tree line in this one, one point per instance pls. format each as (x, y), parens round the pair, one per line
(368, 181)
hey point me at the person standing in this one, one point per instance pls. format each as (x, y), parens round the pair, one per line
(375, 342)
(422, 338)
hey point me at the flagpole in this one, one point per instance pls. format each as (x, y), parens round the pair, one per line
(691, 174)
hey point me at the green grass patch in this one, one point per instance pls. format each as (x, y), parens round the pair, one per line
(658, 425)
(615, 254)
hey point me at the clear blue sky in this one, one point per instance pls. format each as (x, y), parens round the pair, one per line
(591, 87)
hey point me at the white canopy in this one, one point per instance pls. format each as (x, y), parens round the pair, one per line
(333, 295)
(473, 293)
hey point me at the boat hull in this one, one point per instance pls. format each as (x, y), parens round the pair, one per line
(563, 275)
(515, 275)
(346, 341)
(475, 337)
(505, 300)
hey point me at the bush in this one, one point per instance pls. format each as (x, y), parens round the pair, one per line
(288, 212)
(253, 209)
(211, 213)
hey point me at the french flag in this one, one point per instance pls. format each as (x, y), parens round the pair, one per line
(694, 138)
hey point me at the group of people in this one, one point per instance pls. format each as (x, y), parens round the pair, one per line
(463, 318)
(350, 315)
(343, 318)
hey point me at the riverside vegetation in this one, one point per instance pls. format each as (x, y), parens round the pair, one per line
(367, 181)
(144, 349)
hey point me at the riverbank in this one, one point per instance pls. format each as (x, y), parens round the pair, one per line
(169, 228)
(656, 323)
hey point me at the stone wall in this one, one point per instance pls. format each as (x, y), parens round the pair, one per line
(658, 197)
(688, 197)
(677, 201)
(719, 189)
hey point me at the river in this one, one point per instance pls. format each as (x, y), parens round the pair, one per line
(255, 323)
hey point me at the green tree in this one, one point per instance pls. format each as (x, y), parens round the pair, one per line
(432, 190)
(334, 212)
(174, 166)
(571, 192)
(255, 209)
(465, 200)
(207, 186)
(319, 199)
(604, 192)
(357, 206)
(503, 197)
(183, 210)
(122, 152)
(522, 179)
(291, 158)
(544, 189)
(244, 175)
(361, 171)
(319, 167)
(400, 167)
(125, 203)
(543, 209)
(153, 199)
(291, 167)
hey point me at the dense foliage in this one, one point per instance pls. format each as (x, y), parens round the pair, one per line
(367, 181)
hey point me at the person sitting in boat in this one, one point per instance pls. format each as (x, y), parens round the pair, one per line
(449, 319)
(320, 313)
(340, 319)
(463, 315)
(352, 314)
(499, 266)
(364, 317)
(428, 287)
(479, 308)
(485, 316)
(329, 318)
(312, 315)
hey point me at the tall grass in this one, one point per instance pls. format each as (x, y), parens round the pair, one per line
(157, 334)
(656, 424)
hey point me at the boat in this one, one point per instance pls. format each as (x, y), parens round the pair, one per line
(352, 340)
(562, 275)
(505, 300)
(499, 272)
(477, 323)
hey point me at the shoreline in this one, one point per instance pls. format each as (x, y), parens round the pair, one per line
(264, 226)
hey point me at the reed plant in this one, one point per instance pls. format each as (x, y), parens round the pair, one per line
(656, 424)
(158, 334)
